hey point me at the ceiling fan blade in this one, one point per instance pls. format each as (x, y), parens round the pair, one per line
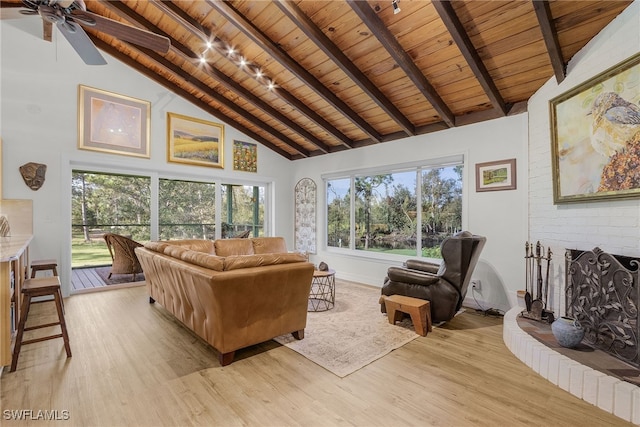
(125, 32)
(82, 44)
(47, 30)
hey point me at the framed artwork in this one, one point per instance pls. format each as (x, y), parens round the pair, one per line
(245, 156)
(305, 216)
(494, 176)
(595, 137)
(194, 141)
(113, 123)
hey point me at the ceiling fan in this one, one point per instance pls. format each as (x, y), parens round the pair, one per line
(67, 14)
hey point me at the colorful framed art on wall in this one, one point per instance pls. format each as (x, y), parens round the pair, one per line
(494, 176)
(113, 123)
(194, 141)
(245, 156)
(595, 137)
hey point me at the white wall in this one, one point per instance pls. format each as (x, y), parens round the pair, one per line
(39, 98)
(501, 216)
(610, 225)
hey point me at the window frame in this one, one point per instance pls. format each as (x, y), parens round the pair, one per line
(418, 167)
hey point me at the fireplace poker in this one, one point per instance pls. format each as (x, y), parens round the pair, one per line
(546, 283)
(539, 275)
(527, 295)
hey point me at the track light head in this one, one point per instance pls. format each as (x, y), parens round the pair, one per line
(396, 6)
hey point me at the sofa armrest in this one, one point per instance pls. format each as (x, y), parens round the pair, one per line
(420, 265)
(404, 275)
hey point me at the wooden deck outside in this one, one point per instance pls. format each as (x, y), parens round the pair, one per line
(87, 280)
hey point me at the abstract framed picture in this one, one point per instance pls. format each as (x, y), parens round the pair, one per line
(113, 123)
(245, 156)
(497, 175)
(194, 141)
(595, 137)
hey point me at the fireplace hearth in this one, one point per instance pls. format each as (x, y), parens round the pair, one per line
(602, 293)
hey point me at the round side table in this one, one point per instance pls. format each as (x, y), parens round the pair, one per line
(323, 291)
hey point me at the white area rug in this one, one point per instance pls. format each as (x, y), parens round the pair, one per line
(352, 334)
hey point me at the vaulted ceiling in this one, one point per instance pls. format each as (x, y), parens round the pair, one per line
(306, 78)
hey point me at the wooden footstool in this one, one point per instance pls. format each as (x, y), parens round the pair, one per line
(418, 309)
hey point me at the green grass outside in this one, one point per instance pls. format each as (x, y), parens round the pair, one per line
(426, 252)
(84, 254)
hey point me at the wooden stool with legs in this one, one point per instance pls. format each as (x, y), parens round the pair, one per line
(40, 287)
(43, 265)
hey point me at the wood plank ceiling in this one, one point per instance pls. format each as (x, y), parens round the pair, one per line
(306, 78)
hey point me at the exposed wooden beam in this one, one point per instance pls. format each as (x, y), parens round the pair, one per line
(125, 59)
(178, 48)
(402, 58)
(266, 44)
(194, 27)
(468, 50)
(550, 36)
(325, 44)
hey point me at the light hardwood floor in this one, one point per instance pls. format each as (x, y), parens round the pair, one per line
(133, 365)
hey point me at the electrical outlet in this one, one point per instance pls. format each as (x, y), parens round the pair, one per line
(475, 284)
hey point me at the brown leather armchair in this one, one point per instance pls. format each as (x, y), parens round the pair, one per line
(122, 251)
(444, 285)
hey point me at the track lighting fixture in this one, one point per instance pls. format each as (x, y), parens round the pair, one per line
(396, 6)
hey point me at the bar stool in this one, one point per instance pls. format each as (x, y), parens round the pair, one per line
(43, 265)
(40, 287)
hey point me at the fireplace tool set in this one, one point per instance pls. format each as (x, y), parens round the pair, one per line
(536, 308)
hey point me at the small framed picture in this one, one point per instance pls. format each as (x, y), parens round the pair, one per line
(245, 156)
(494, 176)
(194, 141)
(113, 123)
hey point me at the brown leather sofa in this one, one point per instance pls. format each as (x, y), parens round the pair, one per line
(445, 284)
(233, 293)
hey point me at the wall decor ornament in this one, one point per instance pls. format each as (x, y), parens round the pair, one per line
(5, 230)
(113, 123)
(245, 156)
(494, 176)
(33, 174)
(305, 216)
(595, 137)
(194, 141)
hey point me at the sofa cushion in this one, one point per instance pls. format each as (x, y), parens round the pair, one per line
(199, 245)
(203, 260)
(226, 247)
(174, 251)
(156, 246)
(269, 245)
(235, 262)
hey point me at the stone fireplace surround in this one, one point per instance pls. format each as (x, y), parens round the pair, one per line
(592, 374)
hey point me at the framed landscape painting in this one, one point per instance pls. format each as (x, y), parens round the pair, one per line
(595, 137)
(194, 141)
(113, 123)
(494, 176)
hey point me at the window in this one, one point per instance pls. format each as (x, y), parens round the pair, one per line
(121, 203)
(338, 213)
(106, 203)
(186, 209)
(406, 210)
(243, 211)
